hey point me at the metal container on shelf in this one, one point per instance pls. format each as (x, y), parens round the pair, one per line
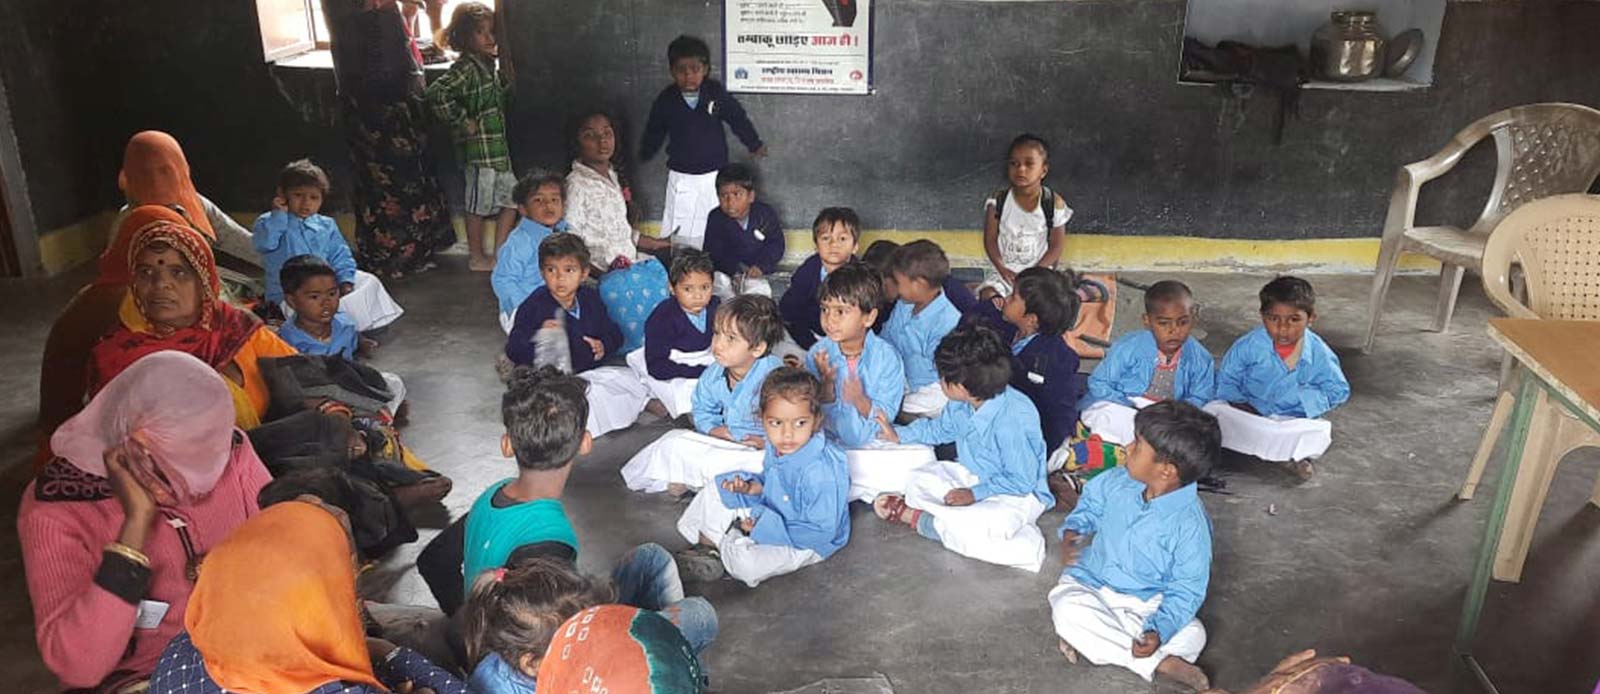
(1350, 48)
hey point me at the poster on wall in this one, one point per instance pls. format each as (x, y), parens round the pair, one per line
(797, 46)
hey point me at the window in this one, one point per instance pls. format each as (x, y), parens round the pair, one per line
(292, 27)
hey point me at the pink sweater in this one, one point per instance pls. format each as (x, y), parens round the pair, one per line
(82, 629)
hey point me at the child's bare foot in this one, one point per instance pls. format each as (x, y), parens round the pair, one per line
(1067, 650)
(1183, 672)
(892, 507)
(1302, 469)
(656, 408)
(700, 564)
(1065, 489)
(676, 490)
(480, 263)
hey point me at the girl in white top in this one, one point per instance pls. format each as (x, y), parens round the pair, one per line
(1015, 235)
(597, 202)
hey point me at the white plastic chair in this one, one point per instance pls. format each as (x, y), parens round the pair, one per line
(1556, 244)
(1544, 150)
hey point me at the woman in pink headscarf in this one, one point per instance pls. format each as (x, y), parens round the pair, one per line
(146, 479)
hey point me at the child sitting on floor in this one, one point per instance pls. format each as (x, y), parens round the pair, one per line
(1278, 380)
(877, 257)
(1041, 307)
(311, 288)
(1024, 225)
(985, 503)
(791, 514)
(1161, 362)
(921, 318)
(743, 235)
(677, 336)
(295, 227)
(837, 233)
(541, 198)
(1130, 597)
(616, 397)
(728, 434)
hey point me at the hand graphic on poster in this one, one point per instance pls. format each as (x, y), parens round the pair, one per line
(843, 11)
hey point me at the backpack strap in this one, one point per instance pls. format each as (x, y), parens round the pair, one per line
(1000, 201)
(1047, 201)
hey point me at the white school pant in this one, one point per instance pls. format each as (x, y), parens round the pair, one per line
(690, 198)
(725, 287)
(1002, 529)
(881, 467)
(744, 558)
(689, 458)
(927, 401)
(397, 389)
(1276, 438)
(1102, 624)
(1112, 421)
(677, 395)
(368, 304)
(616, 397)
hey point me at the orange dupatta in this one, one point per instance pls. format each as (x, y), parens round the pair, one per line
(274, 610)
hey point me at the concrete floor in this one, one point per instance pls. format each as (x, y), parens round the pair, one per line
(1369, 559)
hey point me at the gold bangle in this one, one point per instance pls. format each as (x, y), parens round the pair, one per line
(129, 553)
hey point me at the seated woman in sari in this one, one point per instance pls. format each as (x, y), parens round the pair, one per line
(295, 560)
(172, 304)
(108, 573)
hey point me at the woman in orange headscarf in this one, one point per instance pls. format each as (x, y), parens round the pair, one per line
(274, 612)
(155, 172)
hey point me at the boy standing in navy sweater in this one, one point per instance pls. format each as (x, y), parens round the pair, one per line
(743, 235)
(690, 112)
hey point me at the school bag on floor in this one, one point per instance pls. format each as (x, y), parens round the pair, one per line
(630, 295)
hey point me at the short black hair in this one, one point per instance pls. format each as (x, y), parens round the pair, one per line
(544, 412)
(563, 246)
(1050, 297)
(1165, 292)
(531, 183)
(853, 283)
(1029, 140)
(830, 216)
(878, 255)
(687, 46)
(1289, 290)
(297, 270)
(687, 261)
(756, 318)
(792, 383)
(736, 174)
(463, 21)
(1183, 436)
(976, 358)
(921, 259)
(302, 173)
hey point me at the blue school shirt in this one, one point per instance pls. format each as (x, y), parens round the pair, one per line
(715, 405)
(698, 144)
(954, 290)
(804, 501)
(343, 342)
(883, 378)
(1160, 547)
(758, 243)
(587, 319)
(999, 442)
(495, 676)
(516, 268)
(279, 236)
(916, 335)
(1130, 364)
(669, 328)
(1045, 370)
(802, 314)
(1253, 372)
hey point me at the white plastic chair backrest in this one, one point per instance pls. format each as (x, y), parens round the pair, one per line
(1556, 241)
(1542, 149)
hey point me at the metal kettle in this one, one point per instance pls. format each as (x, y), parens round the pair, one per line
(1350, 48)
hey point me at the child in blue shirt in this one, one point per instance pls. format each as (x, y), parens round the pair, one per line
(294, 227)
(311, 289)
(921, 318)
(836, 233)
(541, 198)
(727, 432)
(1161, 362)
(677, 336)
(1137, 552)
(1041, 307)
(985, 503)
(688, 117)
(793, 513)
(1278, 380)
(877, 256)
(743, 235)
(616, 396)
